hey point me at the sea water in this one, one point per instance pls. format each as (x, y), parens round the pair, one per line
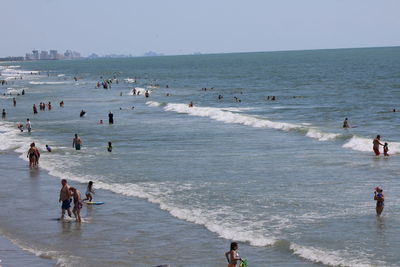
(281, 177)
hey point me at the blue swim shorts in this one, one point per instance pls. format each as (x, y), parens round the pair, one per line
(66, 204)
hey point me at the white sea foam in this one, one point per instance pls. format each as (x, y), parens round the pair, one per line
(365, 145)
(61, 260)
(60, 75)
(228, 115)
(153, 104)
(333, 258)
(38, 83)
(130, 80)
(321, 136)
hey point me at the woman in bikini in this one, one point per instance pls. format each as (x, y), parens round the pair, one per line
(232, 255)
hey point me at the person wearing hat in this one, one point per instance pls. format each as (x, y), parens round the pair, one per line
(380, 199)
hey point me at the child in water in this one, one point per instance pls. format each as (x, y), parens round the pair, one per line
(385, 150)
(89, 191)
(109, 148)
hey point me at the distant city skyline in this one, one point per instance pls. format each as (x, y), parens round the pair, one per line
(187, 27)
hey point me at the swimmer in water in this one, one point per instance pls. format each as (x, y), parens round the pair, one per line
(48, 148)
(380, 199)
(232, 256)
(101, 122)
(82, 113)
(386, 150)
(109, 148)
(3, 114)
(346, 123)
(20, 127)
(190, 104)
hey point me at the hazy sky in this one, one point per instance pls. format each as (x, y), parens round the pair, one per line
(187, 26)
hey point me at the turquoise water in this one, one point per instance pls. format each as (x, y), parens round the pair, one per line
(282, 177)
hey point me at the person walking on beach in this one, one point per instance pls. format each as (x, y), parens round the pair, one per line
(232, 256)
(28, 125)
(65, 198)
(77, 142)
(376, 143)
(89, 192)
(77, 203)
(380, 199)
(110, 118)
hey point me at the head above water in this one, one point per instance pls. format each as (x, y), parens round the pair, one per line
(378, 137)
(378, 189)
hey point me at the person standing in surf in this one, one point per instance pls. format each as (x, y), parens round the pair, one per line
(376, 143)
(77, 203)
(380, 199)
(386, 150)
(28, 125)
(77, 142)
(110, 118)
(65, 198)
(33, 155)
(232, 256)
(346, 123)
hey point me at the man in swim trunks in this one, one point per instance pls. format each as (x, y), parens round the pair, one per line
(376, 143)
(65, 197)
(77, 142)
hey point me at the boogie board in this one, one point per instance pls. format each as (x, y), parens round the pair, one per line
(95, 203)
(243, 263)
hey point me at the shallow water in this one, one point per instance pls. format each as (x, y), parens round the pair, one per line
(281, 177)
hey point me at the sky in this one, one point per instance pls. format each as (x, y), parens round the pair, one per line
(188, 26)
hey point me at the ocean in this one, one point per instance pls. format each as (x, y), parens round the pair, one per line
(281, 177)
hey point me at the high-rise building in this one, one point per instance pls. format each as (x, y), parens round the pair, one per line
(35, 55)
(53, 54)
(44, 55)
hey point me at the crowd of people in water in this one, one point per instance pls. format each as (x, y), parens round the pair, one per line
(69, 194)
